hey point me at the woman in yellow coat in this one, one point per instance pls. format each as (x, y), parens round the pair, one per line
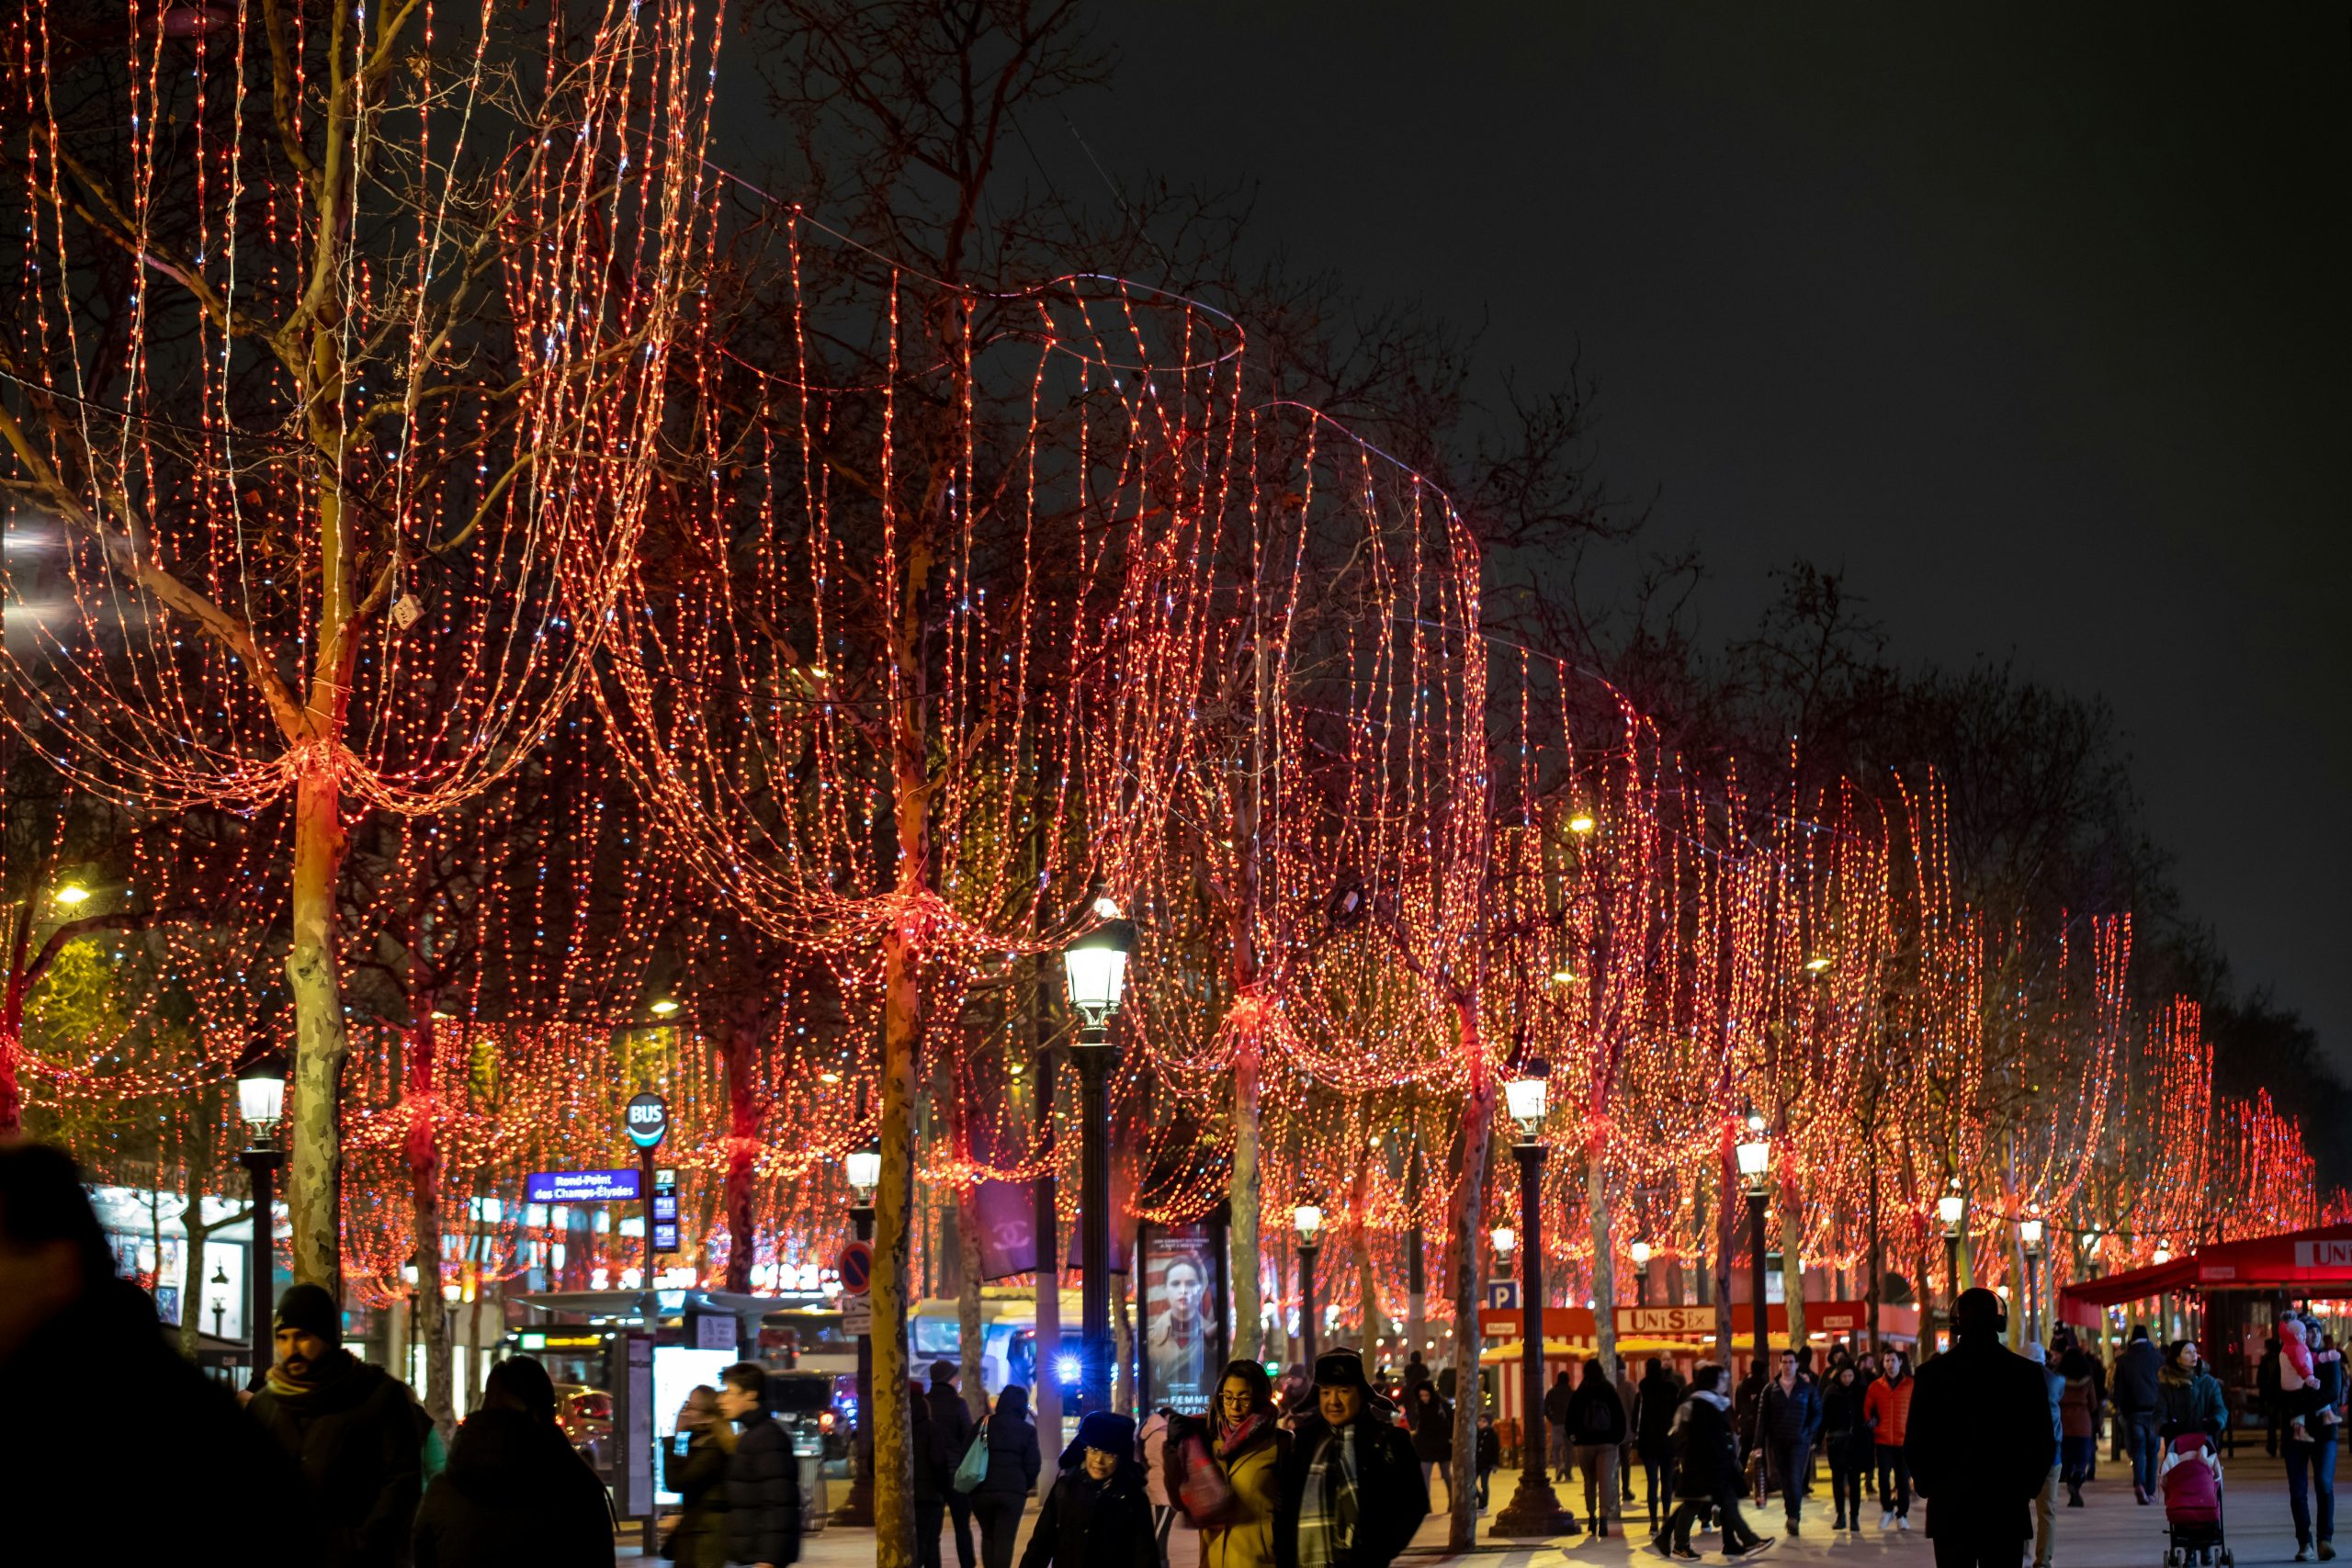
(1247, 1449)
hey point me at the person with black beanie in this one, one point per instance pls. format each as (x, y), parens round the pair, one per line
(355, 1431)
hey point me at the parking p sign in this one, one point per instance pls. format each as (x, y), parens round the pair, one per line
(648, 1120)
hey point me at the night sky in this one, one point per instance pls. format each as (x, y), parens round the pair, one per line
(2034, 323)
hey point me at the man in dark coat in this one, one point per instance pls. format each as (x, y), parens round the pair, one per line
(1791, 1422)
(1654, 1401)
(762, 1474)
(2138, 1376)
(112, 1443)
(1979, 1442)
(1098, 1515)
(952, 1427)
(1349, 1491)
(515, 1491)
(1555, 1424)
(355, 1431)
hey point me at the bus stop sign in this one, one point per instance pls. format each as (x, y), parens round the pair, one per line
(646, 1120)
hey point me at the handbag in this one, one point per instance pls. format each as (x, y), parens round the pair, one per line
(973, 1468)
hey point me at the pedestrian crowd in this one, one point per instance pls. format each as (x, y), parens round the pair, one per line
(342, 1467)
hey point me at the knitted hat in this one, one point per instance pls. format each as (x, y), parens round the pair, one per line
(311, 1310)
(1107, 1430)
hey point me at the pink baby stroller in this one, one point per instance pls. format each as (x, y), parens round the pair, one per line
(2191, 1482)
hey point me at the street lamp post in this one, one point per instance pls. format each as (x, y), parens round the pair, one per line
(1755, 1156)
(1641, 1252)
(862, 1168)
(261, 1105)
(1096, 967)
(2029, 1237)
(1308, 1220)
(1535, 1509)
(1951, 1209)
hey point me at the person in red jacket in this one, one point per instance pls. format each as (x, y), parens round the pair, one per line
(1887, 1409)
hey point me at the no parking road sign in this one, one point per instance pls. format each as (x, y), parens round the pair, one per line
(855, 1268)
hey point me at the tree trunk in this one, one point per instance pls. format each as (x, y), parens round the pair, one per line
(1417, 1313)
(1871, 1301)
(1604, 1260)
(893, 1213)
(1370, 1324)
(1727, 1244)
(315, 1160)
(970, 1344)
(12, 1027)
(1048, 1392)
(743, 1119)
(424, 1155)
(1241, 1243)
(1792, 1220)
(1465, 1216)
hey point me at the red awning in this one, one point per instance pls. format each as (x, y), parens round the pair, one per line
(2312, 1261)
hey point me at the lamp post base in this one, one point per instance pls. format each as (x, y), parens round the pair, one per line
(1533, 1510)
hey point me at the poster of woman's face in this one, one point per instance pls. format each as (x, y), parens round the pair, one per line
(1180, 1330)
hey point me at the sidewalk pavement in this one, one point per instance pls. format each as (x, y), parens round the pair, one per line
(2109, 1531)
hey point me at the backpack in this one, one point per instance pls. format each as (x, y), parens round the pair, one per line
(973, 1468)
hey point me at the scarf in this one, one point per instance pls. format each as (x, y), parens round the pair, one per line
(1328, 1511)
(1239, 1435)
(325, 1372)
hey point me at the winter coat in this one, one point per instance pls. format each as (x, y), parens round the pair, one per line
(1094, 1524)
(1433, 1429)
(2190, 1401)
(1845, 1430)
(1979, 1439)
(1013, 1458)
(97, 1479)
(1745, 1401)
(763, 1494)
(1792, 1415)
(1489, 1451)
(2138, 1371)
(1888, 1406)
(1254, 1473)
(699, 1537)
(930, 1485)
(1653, 1403)
(1706, 1454)
(1594, 1416)
(1391, 1500)
(1556, 1400)
(359, 1436)
(514, 1492)
(2078, 1409)
(951, 1432)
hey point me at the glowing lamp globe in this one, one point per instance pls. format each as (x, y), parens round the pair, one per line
(1641, 1252)
(261, 1091)
(863, 1169)
(2029, 1231)
(2163, 1254)
(1308, 1220)
(1952, 1208)
(1096, 968)
(1506, 1241)
(1524, 1096)
(1754, 1152)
